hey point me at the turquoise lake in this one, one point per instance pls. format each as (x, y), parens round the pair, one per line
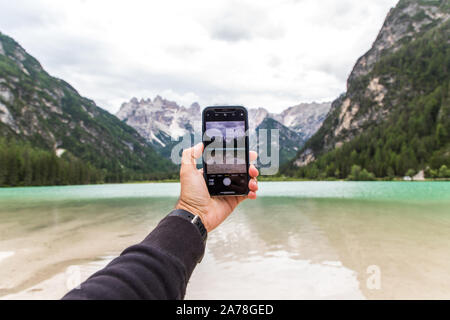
(299, 240)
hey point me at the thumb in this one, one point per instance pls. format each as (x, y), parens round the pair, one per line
(188, 160)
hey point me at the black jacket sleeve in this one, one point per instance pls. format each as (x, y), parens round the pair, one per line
(157, 268)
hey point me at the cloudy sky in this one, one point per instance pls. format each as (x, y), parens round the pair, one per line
(271, 53)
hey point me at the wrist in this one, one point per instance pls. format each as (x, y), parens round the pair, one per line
(194, 222)
(181, 205)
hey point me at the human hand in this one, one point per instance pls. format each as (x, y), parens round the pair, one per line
(195, 197)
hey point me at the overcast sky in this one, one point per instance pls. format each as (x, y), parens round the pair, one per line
(271, 53)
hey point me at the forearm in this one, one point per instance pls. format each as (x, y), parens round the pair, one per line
(157, 268)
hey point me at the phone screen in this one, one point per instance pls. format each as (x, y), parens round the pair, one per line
(225, 159)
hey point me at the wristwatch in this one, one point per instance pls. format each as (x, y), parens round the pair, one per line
(195, 220)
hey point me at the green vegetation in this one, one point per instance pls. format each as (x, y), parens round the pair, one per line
(416, 133)
(442, 173)
(23, 165)
(290, 141)
(48, 114)
(411, 173)
(358, 174)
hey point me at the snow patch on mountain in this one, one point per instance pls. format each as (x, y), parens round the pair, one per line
(162, 122)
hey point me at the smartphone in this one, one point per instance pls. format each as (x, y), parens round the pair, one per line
(226, 150)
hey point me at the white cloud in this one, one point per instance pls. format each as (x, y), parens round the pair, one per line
(237, 20)
(271, 54)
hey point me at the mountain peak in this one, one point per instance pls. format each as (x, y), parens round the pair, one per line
(49, 114)
(404, 23)
(134, 100)
(408, 21)
(195, 108)
(384, 121)
(161, 119)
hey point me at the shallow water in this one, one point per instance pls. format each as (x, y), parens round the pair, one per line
(299, 240)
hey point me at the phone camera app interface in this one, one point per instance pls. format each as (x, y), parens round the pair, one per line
(225, 156)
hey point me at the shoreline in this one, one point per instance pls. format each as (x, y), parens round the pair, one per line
(53, 283)
(260, 179)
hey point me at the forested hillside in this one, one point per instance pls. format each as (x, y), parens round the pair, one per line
(44, 120)
(394, 120)
(22, 164)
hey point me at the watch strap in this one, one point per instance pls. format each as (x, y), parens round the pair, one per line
(195, 220)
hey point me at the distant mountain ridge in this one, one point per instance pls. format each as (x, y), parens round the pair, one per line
(49, 114)
(305, 118)
(159, 120)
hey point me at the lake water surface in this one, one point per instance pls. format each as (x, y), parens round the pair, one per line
(299, 240)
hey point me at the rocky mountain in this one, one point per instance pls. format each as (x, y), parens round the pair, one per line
(403, 24)
(290, 141)
(47, 113)
(160, 121)
(305, 118)
(395, 113)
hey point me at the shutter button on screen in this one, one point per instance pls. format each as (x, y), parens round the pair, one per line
(226, 182)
